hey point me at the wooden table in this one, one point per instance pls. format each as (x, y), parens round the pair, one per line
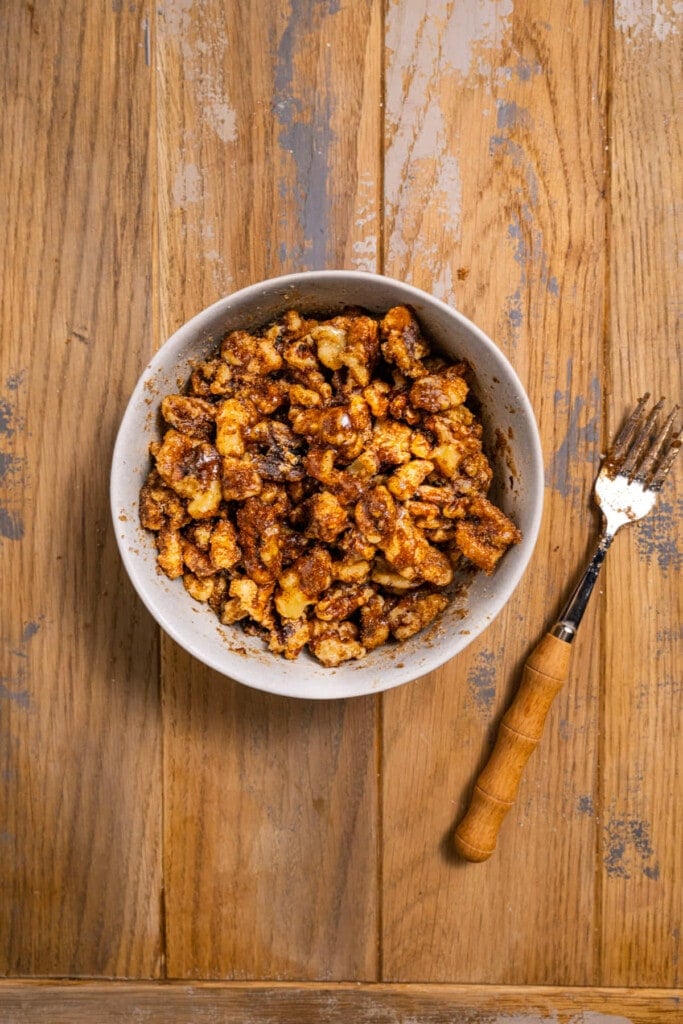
(200, 851)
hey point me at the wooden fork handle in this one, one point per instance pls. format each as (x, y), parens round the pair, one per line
(544, 673)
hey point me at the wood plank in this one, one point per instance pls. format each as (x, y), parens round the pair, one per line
(495, 171)
(34, 1002)
(79, 705)
(268, 122)
(642, 751)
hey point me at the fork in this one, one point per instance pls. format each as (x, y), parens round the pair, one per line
(626, 489)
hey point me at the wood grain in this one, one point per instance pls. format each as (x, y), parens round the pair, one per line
(641, 852)
(80, 783)
(495, 172)
(265, 165)
(107, 1002)
(521, 160)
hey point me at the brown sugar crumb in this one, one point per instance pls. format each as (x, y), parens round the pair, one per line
(319, 481)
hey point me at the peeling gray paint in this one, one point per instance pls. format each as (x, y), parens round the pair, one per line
(510, 115)
(11, 525)
(307, 135)
(628, 848)
(580, 439)
(14, 687)
(481, 681)
(658, 536)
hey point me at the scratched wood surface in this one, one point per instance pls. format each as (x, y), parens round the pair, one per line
(154, 1003)
(80, 784)
(522, 161)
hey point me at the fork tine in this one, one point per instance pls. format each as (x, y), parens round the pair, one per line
(621, 446)
(659, 447)
(667, 462)
(639, 442)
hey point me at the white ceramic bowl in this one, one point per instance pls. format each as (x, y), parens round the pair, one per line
(518, 489)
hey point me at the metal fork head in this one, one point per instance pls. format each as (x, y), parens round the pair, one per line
(643, 450)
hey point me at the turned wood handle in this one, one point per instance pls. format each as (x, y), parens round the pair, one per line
(544, 673)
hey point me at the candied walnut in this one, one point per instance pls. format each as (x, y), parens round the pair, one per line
(452, 425)
(485, 534)
(300, 355)
(420, 445)
(376, 395)
(170, 557)
(355, 545)
(261, 538)
(402, 341)
(191, 468)
(437, 392)
(348, 341)
(249, 355)
(307, 397)
(240, 479)
(279, 456)
(219, 592)
(233, 417)
(199, 533)
(405, 480)
(375, 515)
(225, 551)
(301, 584)
(160, 505)
(400, 408)
(391, 442)
(389, 579)
(408, 551)
(269, 396)
(413, 612)
(478, 469)
(191, 416)
(447, 457)
(342, 601)
(346, 486)
(325, 516)
(290, 637)
(351, 570)
(248, 600)
(199, 589)
(335, 642)
(374, 628)
(343, 428)
(197, 561)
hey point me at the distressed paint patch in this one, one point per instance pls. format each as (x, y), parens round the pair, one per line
(422, 150)
(481, 681)
(658, 537)
(12, 466)
(204, 54)
(642, 20)
(13, 686)
(305, 134)
(365, 249)
(596, 1017)
(628, 848)
(510, 115)
(187, 186)
(664, 689)
(580, 440)
(471, 30)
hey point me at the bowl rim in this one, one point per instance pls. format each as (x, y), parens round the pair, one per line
(239, 668)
